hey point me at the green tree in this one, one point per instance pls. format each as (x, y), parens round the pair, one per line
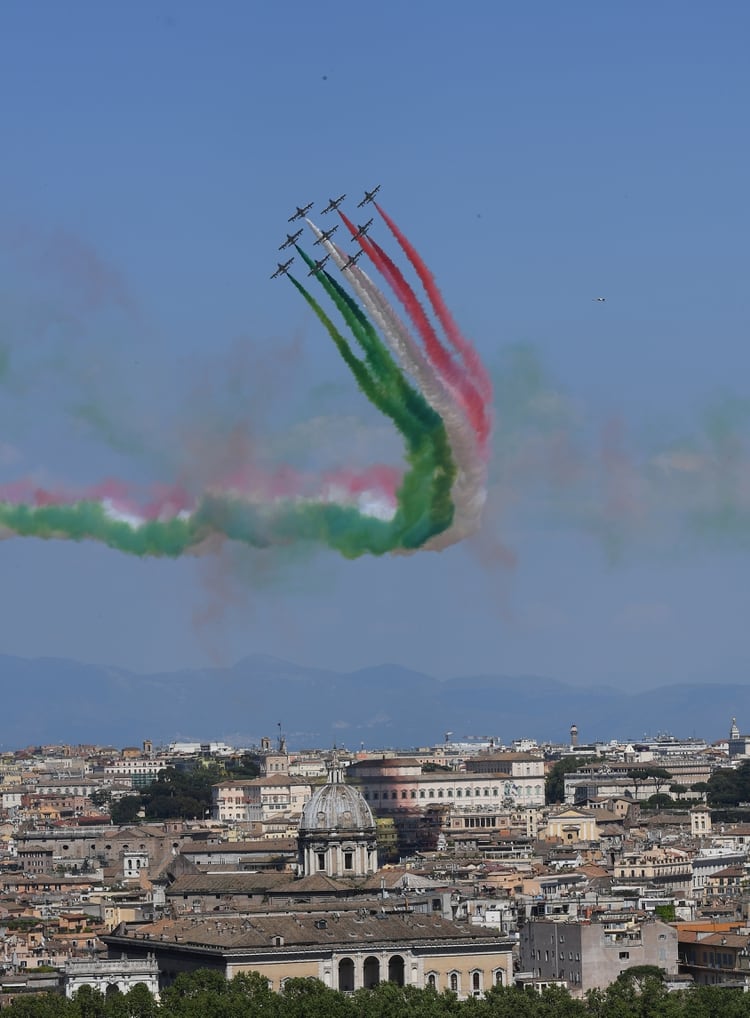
(727, 787)
(311, 998)
(89, 1003)
(554, 785)
(659, 800)
(244, 766)
(126, 810)
(140, 1002)
(642, 775)
(185, 794)
(42, 1005)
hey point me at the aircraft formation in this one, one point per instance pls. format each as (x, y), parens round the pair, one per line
(301, 211)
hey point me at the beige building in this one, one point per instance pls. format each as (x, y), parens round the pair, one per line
(571, 825)
(346, 951)
(393, 784)
(258, 800)
(667, 868)
(700, 820)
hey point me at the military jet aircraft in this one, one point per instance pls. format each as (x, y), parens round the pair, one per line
(290, 239)
(318, 265)
(333, 203)
(362, 230)
(352, 260)
(281, 268)
(326, 234)
(300, 212)
(369, 196)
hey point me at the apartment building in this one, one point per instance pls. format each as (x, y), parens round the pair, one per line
(590, 954)
(258, 800)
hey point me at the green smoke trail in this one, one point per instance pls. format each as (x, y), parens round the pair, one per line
(424, 500)
(89, 520)
(425, 507)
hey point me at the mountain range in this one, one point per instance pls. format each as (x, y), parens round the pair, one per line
(49, 700)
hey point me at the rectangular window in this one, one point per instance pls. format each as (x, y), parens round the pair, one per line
(348, 860)
(321, 860)
(624, 955)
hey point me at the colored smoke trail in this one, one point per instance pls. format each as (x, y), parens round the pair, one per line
(435, 502)
(470, 483)
(424, 504)
(453, 376)
(466, 351)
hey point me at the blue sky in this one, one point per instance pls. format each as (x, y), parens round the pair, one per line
(538, 155)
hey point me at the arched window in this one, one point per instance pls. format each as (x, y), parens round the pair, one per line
(476, 982)
(371, 973)
(432, 980)
(454, 982)
(396, 970)
(346, 975)
(499, 977)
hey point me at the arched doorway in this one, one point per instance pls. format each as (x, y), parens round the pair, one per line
(346, 975)
(396, 970)
(371, 973)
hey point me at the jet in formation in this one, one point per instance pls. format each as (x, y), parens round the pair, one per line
(362, 230)
(352, 260)
(599, 300)
(369, 196)
(333, 203)
(281, 268)
(318, 266)
(326, 234)
(290, 239)
(300, 212)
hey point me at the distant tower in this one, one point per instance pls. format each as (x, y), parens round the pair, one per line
(734, 732)
(574, 735)
(700, 820)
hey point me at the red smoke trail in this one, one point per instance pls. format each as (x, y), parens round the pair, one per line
(472, 402)
(466, 351)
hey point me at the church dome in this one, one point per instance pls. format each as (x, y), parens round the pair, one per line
(336, 807)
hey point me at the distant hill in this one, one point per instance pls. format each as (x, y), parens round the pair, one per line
(47, 700)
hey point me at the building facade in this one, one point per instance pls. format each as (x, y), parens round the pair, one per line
(591, 954)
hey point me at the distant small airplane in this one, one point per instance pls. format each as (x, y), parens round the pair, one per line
(290, 239)
(369, 196)
(600, 300)
(362, 230)
(300, 212)
(326, 234)
(318, 265)
(281, 268)
(352, 260)
(333, 203)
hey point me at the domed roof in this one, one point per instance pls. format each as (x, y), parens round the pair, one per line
(336, 807)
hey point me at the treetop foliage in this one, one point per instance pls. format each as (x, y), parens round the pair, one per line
(639, 992)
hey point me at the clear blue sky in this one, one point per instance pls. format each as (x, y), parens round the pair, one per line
(539, 155)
